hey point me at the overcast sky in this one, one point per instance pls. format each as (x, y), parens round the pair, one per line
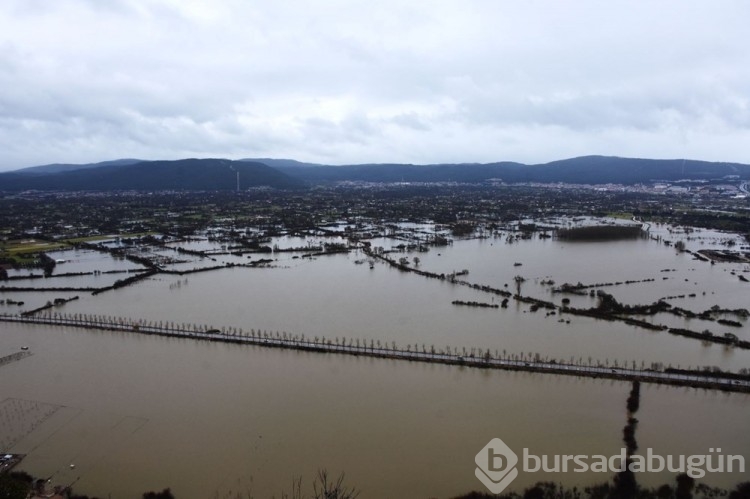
(378, 81)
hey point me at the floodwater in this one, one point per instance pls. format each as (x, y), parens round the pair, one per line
(216, 420)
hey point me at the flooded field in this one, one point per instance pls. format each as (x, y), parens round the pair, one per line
(213, 420)
(207, 418)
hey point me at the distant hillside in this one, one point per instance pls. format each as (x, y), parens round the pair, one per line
(213, 174)
(66, 167)
(604, 169)
(470, 173)
(186, 174)
(277, 163)
(583, 170)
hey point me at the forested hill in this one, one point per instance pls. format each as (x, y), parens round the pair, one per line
(583, 170)
(221, 174)
(186, 174)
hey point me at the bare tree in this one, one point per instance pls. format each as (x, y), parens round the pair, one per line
(326, 488)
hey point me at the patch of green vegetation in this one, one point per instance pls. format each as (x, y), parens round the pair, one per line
(29, 246)
(105, 237)
(24, 259)
(621, 214)
(88, 239)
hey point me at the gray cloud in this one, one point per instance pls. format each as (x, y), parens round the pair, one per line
(348, 82)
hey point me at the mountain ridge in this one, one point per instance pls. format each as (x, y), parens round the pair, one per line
(220, 174)
(185, 174)
(63, 167)
(580, 170)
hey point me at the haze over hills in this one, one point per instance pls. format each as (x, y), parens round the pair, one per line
(220, 174)
(186, 174)
(66, 167)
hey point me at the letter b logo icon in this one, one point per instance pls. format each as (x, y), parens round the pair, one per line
(496, 465)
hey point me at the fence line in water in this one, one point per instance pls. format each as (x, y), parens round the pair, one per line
(476, 359)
